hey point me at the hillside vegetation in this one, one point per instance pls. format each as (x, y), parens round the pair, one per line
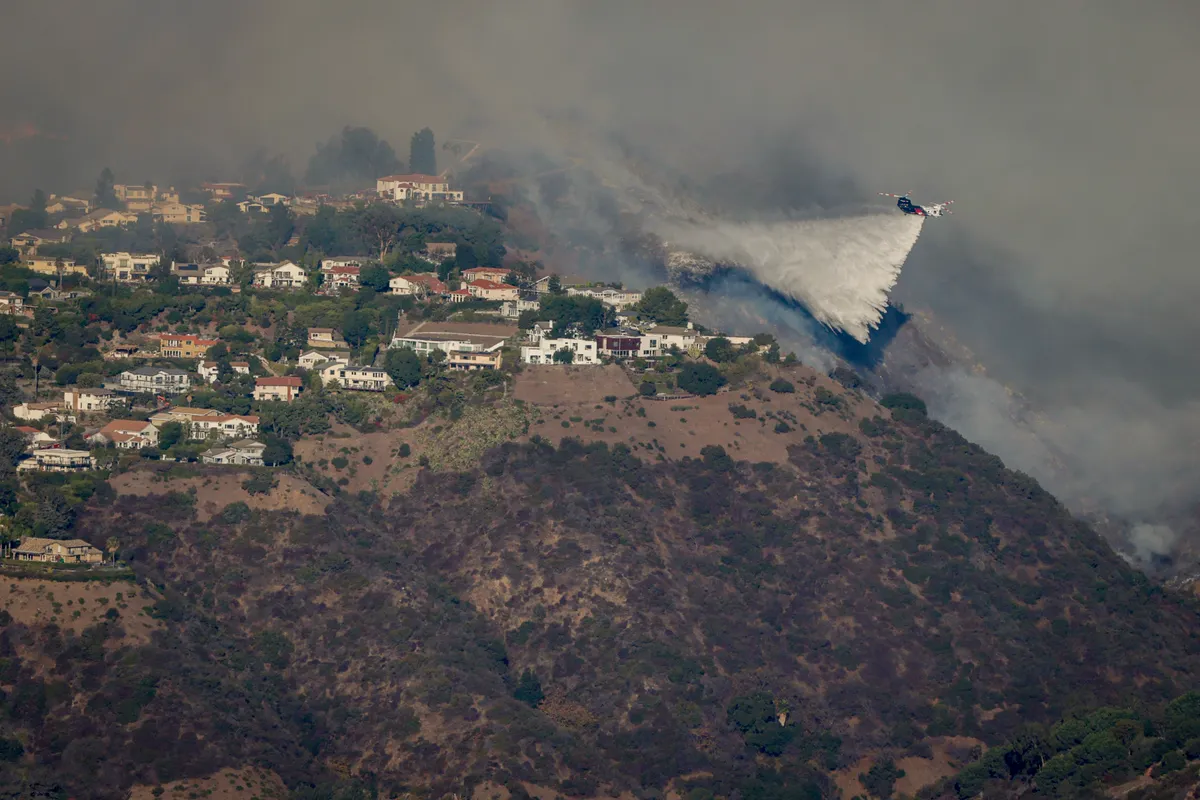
(577, 618)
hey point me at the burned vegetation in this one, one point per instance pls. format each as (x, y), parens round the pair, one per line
(580, 619)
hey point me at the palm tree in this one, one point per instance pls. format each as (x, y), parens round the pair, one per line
(111, 547)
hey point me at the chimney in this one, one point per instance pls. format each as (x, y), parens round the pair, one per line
(690, 326)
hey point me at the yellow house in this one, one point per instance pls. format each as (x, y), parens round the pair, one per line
(178, 213)
(49, 266)
(65, 551)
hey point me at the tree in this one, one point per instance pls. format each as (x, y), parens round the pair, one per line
(106, 196)
(403, 366)
(375, 276)
(880, 780)
(12, 448)
(278, 451)
(529, 689)
(356, 327)
(720, 349)
(701, 379)
(554, 285)
(169, 435)
(111, 547)
(356, 157)
(662, 306)
(281, 222)
(422, 156)
(781, 386)
(380, 224)
(648, 389)
(564, 355)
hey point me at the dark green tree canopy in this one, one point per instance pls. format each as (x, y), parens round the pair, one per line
(662, 306)
(356, 157)
(422, 156)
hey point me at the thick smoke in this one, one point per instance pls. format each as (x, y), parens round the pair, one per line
(841, 270)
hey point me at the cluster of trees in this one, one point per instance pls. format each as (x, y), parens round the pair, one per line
(357, 156)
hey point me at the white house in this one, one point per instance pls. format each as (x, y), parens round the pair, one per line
(584, 351)
(417, 187)
(31, 412)
(215, 275)
(364, 379)
(129, 267)
(226, 426)
(11, 303)
(156, 380)
(619, 299)
(126, 434)
(247, 453)
(312, 358)
(284, 275)
(339, 278)
(511, 309)
(58, 460)
(345, 261)
(661, 338)
(85, 401)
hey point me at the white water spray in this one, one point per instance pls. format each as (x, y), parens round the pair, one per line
(841, 270)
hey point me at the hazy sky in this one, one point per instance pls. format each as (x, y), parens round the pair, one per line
(1066, 131)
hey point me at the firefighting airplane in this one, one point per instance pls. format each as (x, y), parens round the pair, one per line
(909, 207)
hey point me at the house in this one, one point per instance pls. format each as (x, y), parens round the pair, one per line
(325, 337)
(469, 337)
(312, 358)
(284, 275)
(542, 284)
(460, 296)
(417, 188)
(129, 267)
(184, 415)
(29, 241)
(223, 191)
(188, 274)
(57, 551)
(177, 213)
(184, 345)
(123, 351)
(32, 412)
(271, 199)
(156, 380)
(345, 261)
(511, 309)
(214, 275)
(246, 452)
(440, 251)
(100, 218)
(87, 401)
(210, 370)
(469, 362)
(362, 379)
(624, 344)
(35, 438)
(50, 293)
(58, 460)
(136, 198)
(126, 434)
(11, 303)
(619, 299)
(584, 351)
(54, 266)
(339, 278)
(490, 290)
(283, 389)
(225, 426)
(493, 274)
(661, 338)
(422, 284)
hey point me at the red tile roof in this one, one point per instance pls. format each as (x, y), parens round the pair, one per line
(291, 380)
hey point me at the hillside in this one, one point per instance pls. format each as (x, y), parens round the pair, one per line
(601, 616)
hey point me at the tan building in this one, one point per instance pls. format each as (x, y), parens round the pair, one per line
(184, 345)
(495, 274)
(57, 551)
(468, 362)
(50, 266)
(178, 213)
(362, 379)
(126, 434)
(136, 198)
(101, 218)
(58, 460)
(86, 401)
(490, 290)
(418, 188)
(282, 389)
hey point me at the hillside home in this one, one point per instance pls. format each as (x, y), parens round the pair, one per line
(32, 412)
(28, 242)
(136, 198)
(361, 379)
(511, 309)
(417, 188)
(247, 453)
(448, 337)
(88, 401)
(420, 285)
(661, 338)
(619, 299)
(11, 303)
(625, 344)
(284, 275)
(58, 460)
(440, 251)
(55, 266)
(214, 275)
(126, 434)
(184, 345)
(490, 290)
(184, 415)
(462, 361)
(100, 218)
(129, 267)
(224, 426)
(284, 389)
(155, 380)
(325, 338)
(313, 358)
(584, 351)
(57, 551)
(345, 261)
(341, 278)
(34, 438)
(123, 351)
(223, 191)
(178, 213)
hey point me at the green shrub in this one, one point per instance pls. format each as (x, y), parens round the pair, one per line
(782, 386)
(647, 389)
